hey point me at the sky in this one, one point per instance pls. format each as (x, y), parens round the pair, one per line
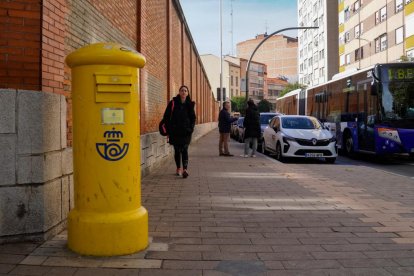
(250, 18)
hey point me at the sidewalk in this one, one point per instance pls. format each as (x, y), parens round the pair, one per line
(253, 216)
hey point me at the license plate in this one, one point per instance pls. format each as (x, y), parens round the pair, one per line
(314, 154)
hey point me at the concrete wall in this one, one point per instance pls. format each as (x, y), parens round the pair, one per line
(36, 179)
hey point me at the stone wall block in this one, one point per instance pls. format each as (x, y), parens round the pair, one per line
(7, 159)
(65, 197)
(7, 111)
(24, 169)
(52, 204)
(21, 210)
(67, 161)
(46, 167)
(71, 192)
(39, 122)
(63, 124)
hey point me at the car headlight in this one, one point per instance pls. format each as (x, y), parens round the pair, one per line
(288, 139)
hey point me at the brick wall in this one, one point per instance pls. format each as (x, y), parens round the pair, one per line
(20, 27)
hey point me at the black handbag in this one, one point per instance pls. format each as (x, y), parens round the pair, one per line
(162, 126)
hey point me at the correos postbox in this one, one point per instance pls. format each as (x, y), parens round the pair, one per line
(108, 218)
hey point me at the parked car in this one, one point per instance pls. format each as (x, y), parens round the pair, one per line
(299, 136)
(265, 118)
(235, 128)
(240, 130)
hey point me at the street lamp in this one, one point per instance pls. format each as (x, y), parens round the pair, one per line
(260, 44)
(360, 56)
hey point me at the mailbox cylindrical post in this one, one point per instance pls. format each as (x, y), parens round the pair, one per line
(108, 218)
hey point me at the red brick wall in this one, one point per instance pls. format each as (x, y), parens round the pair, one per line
(154, 76)
(53, 47)
(20, 28)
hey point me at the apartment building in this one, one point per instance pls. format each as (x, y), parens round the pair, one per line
(318, 48)
(257, 79)
(279, 53)
(373, 32)
(212, 66)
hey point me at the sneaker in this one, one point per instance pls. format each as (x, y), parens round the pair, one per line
(221, 154)
(244, 155)
(228, 154)
(254, 156)
(185, 174)
(179, 172)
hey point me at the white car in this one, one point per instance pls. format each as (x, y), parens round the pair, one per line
(299, 136)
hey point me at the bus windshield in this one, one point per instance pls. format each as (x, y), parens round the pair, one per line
(398, 103)
(397, 99)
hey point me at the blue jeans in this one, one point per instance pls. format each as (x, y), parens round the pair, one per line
(247, 143)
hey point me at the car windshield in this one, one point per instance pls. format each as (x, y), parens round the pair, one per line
(301, 123)
(265, 118)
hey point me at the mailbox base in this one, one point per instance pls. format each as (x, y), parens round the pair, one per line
(108, 234)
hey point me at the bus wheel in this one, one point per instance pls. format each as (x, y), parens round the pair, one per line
(349, 145)
(279, 154)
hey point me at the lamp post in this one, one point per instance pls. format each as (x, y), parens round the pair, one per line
(360, 56)
(260, 44)
(222, 99)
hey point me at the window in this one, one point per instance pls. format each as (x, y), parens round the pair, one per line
(377, 17)
(347, 13)
(321, 71)
(398, 5)
(231, 81)
(356, 6)
(356, 31)
(316, 74)
(407, 1)
(409, 25)
(399, 35)
(359, 53)
(347, 37)
(381, 43)
(383, 14)
(341, 60)
(348, 59)
(322, 54)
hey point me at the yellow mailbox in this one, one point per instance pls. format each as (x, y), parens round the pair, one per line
(108, 218)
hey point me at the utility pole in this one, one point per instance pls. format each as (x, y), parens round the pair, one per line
(221, 55)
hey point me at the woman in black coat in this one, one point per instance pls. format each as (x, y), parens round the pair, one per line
(181, 118)
(252, 129)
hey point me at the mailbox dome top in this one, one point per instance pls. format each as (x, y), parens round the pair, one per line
(106, 53)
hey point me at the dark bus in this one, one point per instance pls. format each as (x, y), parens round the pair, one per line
(370, 110)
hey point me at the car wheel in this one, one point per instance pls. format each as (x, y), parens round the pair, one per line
(349, 145)
(279, 154)
(330, 160)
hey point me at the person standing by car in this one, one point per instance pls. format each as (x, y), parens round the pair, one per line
(251, 128)
(224, 128)
(181, 118)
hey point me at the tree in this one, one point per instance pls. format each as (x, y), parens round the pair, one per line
(291, 87)
(238, 104)
(264, 106)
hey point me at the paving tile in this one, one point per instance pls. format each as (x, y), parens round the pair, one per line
(11, 258)
(368, 262)
(106, 272)
(311, 264)
(174, 255)
(338, 255)
(220, 256)
(5, 268)
(30, 270)
(285, 256)
(168, 264)
(33, 260)
(245, 248)
(168, 272)
(131, 263)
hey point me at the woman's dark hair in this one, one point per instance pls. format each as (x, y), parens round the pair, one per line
(250, 103)
(185, 86)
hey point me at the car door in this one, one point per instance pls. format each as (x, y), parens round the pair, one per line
(267, 134)
(275, 132)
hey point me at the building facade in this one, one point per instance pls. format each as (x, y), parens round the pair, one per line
(257, 84)
(279, 53)
(318, 48)
(212, 66)
(373, 32)
(36, 173)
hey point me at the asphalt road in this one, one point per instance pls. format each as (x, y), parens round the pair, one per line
(397, 165)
